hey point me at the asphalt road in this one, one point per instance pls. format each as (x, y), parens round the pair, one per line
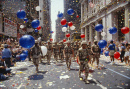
(56, 76)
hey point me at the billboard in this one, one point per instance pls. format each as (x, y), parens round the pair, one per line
(10, 28)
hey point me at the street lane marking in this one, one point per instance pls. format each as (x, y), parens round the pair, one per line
(118, 73)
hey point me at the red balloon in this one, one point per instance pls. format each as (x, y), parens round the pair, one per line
(63, 22)
(51, 39)
(39, 27)
(70, 24)
(64, 40)
(125, 30)
(68, 35)
(82, 36)
(77, 16)
(116, 55)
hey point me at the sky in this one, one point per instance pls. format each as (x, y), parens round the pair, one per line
(56, 5)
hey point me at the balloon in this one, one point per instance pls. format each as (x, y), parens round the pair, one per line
(39, 27)
(125, 30)
(51, 32)
(44, 50)
(116, 55)
(21, 14)
(99, 27)
(35, 23)
(72, 27)
(60, 15)
(70, 24)
(38, 8)
(18, 56)
(63, 22)
(103, 33)
(36, 30)
(25, 19)
(101, 51)
(23, 56)
(70, 11)
(51, 39)
(64, 40)
(112, 30)
(102, 43)
(65, 25)
(82, 36)
(68, 35)
(25, 52)
(106, 53)
(21, 26)
(64, 29)
(27, 41)
(77, 16)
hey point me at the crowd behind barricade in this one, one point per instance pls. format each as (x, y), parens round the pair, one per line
(82, 52)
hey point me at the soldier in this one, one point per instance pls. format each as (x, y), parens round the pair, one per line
(68, 51)
(76, 47)
(61, 48)
(56, 51)
(49, 51)
(35, 54)
(83, 58)
(89, 48)
(96, 52)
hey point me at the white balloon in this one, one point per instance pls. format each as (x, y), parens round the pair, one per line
(44, 50)
(21, 26)
(95, 37)
(103, 33)
(72, 27)
(64, 29)
(38, 8)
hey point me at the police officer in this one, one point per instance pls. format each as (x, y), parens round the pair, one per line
(49, 51)
(96, 52)
(68, 53)
(56, 51)
(83, 57)
(61, 48)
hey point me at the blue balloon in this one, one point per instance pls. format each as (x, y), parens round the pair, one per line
(101, 51)
(25, 19)
(27, 41)
(102, 43)
(18, 56)
(36, 30)
(21, 14)
(60, 15)
(106, 53)
(70, 11)
(23, 56)
(65, 25)
(35, 23)
(112, 30)
(25, 52)
(99, 27)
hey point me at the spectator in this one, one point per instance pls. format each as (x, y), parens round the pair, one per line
(6, 53)
(122, 52)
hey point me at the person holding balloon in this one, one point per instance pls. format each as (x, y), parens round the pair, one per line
(35, 54)
(111, 48)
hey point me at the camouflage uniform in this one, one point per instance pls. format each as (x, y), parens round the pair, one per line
(49, 50)
(68, 50)
(84, 59)
(76, 47)
(56, 51)
(96, 53)
(61, 48)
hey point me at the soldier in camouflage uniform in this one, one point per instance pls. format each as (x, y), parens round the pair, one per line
(56, 51)
(68, 53)
(49, 51)
(76, 47)
(96, 52)
(89, 48)
(83, 57)
(61, 48)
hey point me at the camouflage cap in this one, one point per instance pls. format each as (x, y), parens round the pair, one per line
(83, 42)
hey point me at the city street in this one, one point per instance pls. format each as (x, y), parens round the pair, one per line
(56, 76)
